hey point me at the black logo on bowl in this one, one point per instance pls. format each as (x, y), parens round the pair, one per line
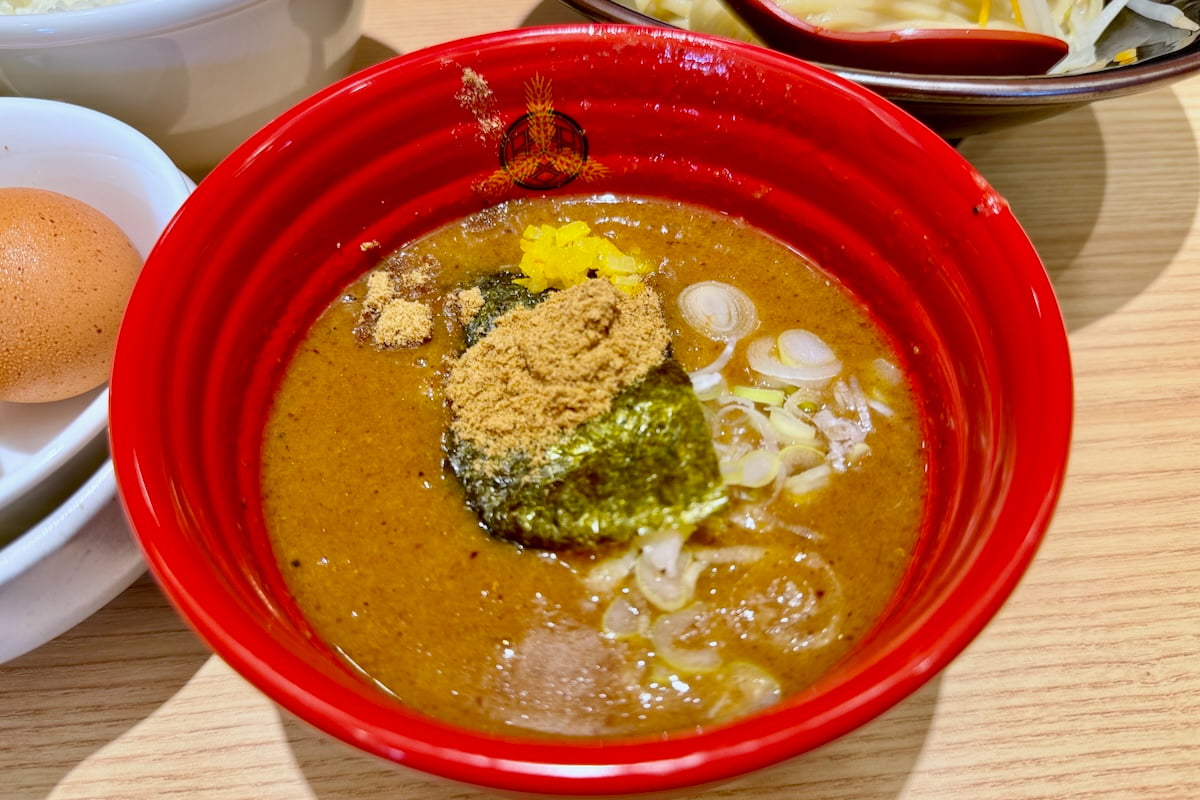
(544, 150)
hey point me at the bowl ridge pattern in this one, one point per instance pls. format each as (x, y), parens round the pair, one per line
(890, 210)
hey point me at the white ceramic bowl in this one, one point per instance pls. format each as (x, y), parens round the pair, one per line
(47, 450)
(110, 166)
(66, 567)
(196, 76)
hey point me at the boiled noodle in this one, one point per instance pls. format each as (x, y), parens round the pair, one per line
(1080, 23)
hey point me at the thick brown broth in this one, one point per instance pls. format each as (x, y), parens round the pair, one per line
(383, 557)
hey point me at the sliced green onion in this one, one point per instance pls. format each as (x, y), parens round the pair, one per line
(789, 429)
(755, 394)
(799, 457)
(753, 470)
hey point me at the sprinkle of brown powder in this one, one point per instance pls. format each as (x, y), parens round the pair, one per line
(391, 317)
(403, 323)
(465, 304)
(380, 291)
(477, 98)
(543, 371)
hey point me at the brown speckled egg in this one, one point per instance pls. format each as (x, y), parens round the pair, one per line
(66, 272)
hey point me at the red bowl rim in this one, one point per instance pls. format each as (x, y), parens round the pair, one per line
(596, 767)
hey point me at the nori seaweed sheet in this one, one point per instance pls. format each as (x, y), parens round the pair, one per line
(645, 464)
(500, 294)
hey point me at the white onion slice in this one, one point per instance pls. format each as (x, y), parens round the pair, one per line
(721, 312)
(732, 424)
(762, 359)
(708, 385)
(730, 554)
(809, 481)
(798, 347)
(624, 620)
(608, 574)
(667, 630)
(881, 408)
(810, 594)
(887, 372)
(758, 517)
(747, 688)
(720, 362)
(662, 548)
(668, 589)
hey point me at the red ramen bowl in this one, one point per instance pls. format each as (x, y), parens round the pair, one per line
(879, 202)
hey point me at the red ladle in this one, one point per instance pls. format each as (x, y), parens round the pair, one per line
(931, 51)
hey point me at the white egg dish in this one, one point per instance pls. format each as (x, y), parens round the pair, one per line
(65, 549)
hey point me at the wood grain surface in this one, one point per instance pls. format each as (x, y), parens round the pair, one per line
(1086, 686)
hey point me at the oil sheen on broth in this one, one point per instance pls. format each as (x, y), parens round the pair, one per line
(673, 630)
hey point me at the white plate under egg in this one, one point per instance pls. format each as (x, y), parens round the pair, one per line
(64, 547)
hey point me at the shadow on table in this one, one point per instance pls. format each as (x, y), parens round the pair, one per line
(368, 51)
(553, 12)
(69, 698)
(871, 763)
(1140, 169)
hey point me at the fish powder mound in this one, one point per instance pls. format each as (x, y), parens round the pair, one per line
(572, 427)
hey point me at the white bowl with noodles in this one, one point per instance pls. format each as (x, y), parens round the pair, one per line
(196, 76)
(49, 450)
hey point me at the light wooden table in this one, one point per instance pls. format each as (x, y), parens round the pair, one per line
(1087, 684)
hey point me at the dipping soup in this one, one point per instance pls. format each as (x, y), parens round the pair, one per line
(797, 522)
